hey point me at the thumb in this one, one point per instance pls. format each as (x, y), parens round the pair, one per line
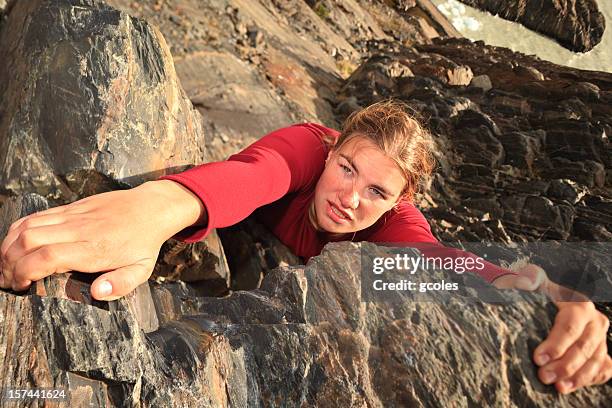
(525, 283)
(118, 283)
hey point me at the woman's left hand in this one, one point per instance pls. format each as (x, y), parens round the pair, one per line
(575, 353)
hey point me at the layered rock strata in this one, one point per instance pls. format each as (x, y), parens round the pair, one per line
(576, 24)
(305, 338)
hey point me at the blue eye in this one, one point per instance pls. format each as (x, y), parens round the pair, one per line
(377, 192)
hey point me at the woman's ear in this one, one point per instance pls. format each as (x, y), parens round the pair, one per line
(329, 155)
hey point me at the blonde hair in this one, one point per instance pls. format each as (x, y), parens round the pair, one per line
(393, 126)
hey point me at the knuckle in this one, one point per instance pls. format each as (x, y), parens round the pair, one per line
(571, 328)
(132, 280)
(48, 254)
(20, 285)
(16, 224)
(565, 371)
(590, 306)
(10, 258)
(7, 241)
(554, 352)
(27, 224)
(20, 270)
(581, 379)
(26, 239)
(585, 347)
(600, 377)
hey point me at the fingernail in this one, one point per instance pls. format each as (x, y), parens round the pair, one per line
(542, 359)
(105, 288)
(566, 385)
(548, 377)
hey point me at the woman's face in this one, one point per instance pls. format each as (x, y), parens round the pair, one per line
(358, 185)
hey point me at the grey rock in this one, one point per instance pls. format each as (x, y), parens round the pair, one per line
(521, 150)
(482, 82)
(252, 252)
(587, 173)
(15, 208)
(236, 104)
(565, 189)
(305, 338)
(97, 93)
(576, 24)
(203, 262)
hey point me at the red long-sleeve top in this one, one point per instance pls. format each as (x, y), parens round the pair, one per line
(277, 176)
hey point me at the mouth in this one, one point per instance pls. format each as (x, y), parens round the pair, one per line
(337, 214)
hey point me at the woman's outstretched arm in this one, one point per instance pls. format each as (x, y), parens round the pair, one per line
(281, 162)
(119, 232)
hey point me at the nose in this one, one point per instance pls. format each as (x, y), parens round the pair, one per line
(349, 198)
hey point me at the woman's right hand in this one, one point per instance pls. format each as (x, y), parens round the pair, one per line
(119, 232)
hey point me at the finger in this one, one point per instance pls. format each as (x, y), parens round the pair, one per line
(48, 211)
(575, 357)
(568, 327)
(30, 223)
(532, 276)
(57, 258)
(32, 239)
(118, 283)
(605, 373)
(578, 353)
(586, 374)
(525, 283)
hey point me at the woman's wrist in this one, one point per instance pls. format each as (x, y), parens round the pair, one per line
(180, 207)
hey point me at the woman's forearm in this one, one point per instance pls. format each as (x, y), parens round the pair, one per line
(179, 208)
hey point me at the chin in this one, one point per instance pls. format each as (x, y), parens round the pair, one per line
(333, 229)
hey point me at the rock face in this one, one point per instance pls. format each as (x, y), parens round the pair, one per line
(576, 24)
(252, 251)
(523, 153)
(251, 67)
(86, 90)
(305, 338)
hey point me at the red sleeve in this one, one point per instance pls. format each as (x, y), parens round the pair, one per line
(280, 162)
(408, 225)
